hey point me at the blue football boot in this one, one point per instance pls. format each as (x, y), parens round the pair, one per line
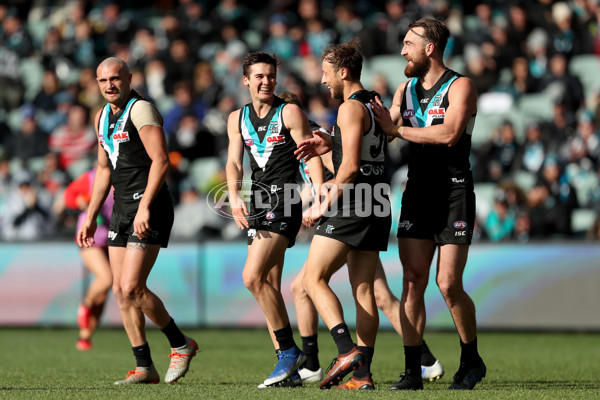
(288, 362)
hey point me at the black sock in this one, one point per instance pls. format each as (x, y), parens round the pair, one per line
(174, 335)
(310, 347)
(142, 355)
(412, 360)
(341, 337)
(427, 359)
(285, 337)
(365, 369)
(469, 355)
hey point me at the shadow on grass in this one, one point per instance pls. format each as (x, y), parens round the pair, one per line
(540, 385)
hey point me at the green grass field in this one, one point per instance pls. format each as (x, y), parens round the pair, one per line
(43, 363)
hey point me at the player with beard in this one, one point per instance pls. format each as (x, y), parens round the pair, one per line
(435, 112)
(349, 235)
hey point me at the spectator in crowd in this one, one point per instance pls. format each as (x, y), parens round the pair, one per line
(519, 26)
(561, 83)
(585, 143)
(503, 51)
(205, 87)
(46, 99)
(551, 202)
(14, 35)
(560, 128)
(531, 154)
(478, 26)
(185, 103)
(318, 36)
(480, 68)
(52, 177)
(28, 211)
(396, 25)
(216, 122)
(591, 28)
(522, 82)
(537, 52)
(565, 34)
(180, 63)
(30, 142)
(191, 139)
(500, 222)
(112, 28)
(75, 140)
(11, 95)
(498, 155)
(279, 41)
(89, 94)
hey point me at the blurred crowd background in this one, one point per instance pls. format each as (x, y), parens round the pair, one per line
(536, 146)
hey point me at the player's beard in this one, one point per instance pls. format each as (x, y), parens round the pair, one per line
(337, 91)
(418, 68)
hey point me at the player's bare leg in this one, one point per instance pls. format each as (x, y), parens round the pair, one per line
(267, 250)
(389, 304)
(452, 260)
(96, 261)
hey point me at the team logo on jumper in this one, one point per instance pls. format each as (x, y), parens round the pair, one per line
(437, 100)
(112, 235)
(329, 229)
(274, 128)
(275, 188)
(408, 114)
(283, 226)
(270, 215)
(460, 224)
(249, 142)
(437, 112)
(120, 137)
(405, 225)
